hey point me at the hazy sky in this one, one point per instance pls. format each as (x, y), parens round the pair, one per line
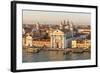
(50, 17)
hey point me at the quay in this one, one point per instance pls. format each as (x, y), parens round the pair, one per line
(69, 50)
(66, 51)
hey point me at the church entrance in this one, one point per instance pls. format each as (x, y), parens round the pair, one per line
(57, 45)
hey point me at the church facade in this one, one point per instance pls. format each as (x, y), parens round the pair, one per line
(59, 36)
(58, 39)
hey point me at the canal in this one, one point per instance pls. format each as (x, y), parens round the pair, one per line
(45, 56)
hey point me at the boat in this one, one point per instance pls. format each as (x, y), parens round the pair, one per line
(33, 50)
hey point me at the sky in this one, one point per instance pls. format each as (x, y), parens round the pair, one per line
(53, 17)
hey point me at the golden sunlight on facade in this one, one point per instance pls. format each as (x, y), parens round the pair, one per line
(81, 44)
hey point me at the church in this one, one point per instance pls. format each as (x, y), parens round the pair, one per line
(59, 36)
(58, 39)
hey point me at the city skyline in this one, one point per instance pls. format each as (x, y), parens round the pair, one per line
(50, 17)
(49, 37)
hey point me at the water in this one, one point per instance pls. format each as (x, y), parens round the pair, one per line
(45, 56)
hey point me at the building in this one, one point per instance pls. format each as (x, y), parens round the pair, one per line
(81, 44)
(28, 40)
(58, 35)
(58, 39)
(85, 31)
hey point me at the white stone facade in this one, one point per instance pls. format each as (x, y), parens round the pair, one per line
(58, 39)
(28, 41)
